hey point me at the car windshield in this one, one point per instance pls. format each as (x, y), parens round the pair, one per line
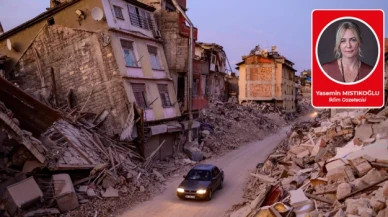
(201, 175)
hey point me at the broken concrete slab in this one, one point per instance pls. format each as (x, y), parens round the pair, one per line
(361, 165)
(159, 175)
(109, 181)
(22, 195)
(377, 151)
(193, 152)
(30, 165)
(363, 132)
(91, 193)
(64, 192)
(111, 192)
(343, 189)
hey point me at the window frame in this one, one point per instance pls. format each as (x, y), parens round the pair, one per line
(157, 57)
(143, 95)
(166, 101)
(120, 10)
(134, 55)
(141, 18)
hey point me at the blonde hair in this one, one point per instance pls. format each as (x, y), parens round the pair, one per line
(340, 32)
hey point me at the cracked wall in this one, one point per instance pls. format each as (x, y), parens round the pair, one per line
(82, 62)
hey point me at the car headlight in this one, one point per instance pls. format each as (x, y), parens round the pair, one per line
(201, 192)
(180, 190)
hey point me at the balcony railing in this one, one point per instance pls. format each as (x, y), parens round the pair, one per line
(141, 22)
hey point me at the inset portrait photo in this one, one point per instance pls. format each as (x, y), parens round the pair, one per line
(347, 50)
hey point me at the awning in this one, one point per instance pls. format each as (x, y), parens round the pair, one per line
(174, 126)
(168, 127)
(158, 129)
(195, 124)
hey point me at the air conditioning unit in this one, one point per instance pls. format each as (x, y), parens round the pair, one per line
(157, 33)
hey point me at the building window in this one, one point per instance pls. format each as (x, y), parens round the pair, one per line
(140, 18)
(118, 12)
(195, 86)
(129, 53)
(50, 21)
(170, 7)
(140, 96)
(153, 51)
(164, 97)
(213, 59)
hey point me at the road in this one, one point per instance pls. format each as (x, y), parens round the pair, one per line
(236, 165)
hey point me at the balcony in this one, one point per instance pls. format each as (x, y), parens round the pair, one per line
(184, 30)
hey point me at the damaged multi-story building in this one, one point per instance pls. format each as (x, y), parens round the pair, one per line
(305, 84)
(214, 82)
(99, 57)
(175, 32)
(267, 76)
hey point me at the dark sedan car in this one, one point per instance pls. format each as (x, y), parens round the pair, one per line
(201, 181)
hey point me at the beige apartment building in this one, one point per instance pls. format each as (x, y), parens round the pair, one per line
(267, 76)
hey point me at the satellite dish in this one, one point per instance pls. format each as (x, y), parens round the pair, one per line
(97, 14)
(9, 44)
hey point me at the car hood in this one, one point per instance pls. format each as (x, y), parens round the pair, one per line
(194, 184)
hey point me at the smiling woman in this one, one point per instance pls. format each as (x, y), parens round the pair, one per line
(349, 65)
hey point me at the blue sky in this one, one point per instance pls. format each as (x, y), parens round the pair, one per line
(238, 26)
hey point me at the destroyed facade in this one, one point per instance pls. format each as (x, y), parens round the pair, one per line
(267, 76)
(175, 33)
(112, 67)
(215, 85)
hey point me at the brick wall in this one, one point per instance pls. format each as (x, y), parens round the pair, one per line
(175, 46)
(81, 62)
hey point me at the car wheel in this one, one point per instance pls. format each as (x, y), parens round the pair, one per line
(210, 195)
(221, 184)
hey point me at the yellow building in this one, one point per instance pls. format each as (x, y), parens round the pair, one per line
(108, 55)
(267, 76)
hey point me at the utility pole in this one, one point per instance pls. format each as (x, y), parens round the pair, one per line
(190, 70)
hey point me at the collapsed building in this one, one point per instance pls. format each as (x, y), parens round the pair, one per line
(100, 57)
(267, 77)
(305, 84)
(215, 84)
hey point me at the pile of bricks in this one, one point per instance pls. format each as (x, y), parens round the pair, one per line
(333, 166)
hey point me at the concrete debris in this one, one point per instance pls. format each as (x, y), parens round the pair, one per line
(226, 126)
(103, 167)
(43, 212)
(335, 165)
(111, 192)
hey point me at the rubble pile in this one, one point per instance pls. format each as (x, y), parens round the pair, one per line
(225, 126)
(304, 106)
(328, 167)
(73, 170)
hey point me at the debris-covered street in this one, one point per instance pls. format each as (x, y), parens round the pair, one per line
(332, 166)
(131, 108)
(236, 164)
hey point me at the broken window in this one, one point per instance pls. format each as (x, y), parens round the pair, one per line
(153, 51)
(140, 18)
(164, 97)
(139, 93)
(195, 86)
(51, 21)
(129, 53)
(118, 12)
(170, 6)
